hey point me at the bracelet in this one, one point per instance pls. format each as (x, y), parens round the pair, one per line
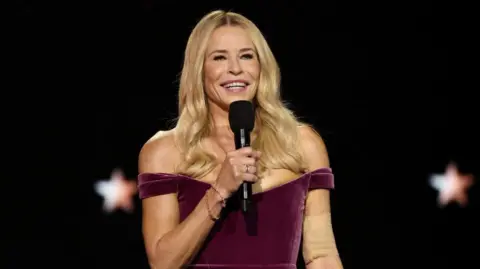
(224, 203)
(214, 218)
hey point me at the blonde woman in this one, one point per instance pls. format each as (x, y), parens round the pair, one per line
(189, 174)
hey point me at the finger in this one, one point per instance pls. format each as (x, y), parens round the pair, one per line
(254, 154)
(249, 169)
(243, 168)
(239, 170)
(244, 161)
(249, 177)
(257, 154)
(252, 169)
(245, 151)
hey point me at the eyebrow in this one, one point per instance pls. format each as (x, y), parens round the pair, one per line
(225, 51)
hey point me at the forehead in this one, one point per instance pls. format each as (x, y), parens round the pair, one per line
(229, 37)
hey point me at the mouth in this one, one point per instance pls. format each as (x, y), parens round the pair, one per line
(235, 86)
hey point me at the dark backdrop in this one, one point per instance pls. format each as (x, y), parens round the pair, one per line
(388, 86)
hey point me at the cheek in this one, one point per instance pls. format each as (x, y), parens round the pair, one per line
(212, 73)
(211, 76)
(253, 69)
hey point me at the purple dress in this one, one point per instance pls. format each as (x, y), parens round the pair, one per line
(268, 236)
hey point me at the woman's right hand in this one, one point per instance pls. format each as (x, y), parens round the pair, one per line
(240, 165)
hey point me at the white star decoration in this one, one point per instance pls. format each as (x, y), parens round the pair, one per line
(117, 192)
(452, 186)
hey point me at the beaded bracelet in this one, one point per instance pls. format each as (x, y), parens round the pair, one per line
(224, 203)
(214, 218)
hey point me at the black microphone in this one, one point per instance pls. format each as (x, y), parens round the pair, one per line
(242, 120)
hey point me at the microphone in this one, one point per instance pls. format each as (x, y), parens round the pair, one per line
(242, 120)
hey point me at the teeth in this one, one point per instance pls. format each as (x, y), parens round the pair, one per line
(235, 84)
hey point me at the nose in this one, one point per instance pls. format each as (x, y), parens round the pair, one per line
(234, 66)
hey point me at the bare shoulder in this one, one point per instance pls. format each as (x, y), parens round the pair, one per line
(313, 146)
(159, 154)
(160, 213)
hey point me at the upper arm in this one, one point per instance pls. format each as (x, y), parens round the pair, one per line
(318, 238)
(316, 156)
(160, 213)
(314, 149)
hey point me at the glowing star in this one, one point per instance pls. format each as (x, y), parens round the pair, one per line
(452, 186)
(117, 192)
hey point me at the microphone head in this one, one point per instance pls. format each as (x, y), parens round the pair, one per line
(241, 115)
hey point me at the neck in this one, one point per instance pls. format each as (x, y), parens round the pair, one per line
(219, 117)
(220, 123)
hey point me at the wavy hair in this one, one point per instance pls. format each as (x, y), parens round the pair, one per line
(272, 117)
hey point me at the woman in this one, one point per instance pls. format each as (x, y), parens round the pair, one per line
(189, 175)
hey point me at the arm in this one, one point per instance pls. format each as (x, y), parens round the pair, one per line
(319, 247)
(169, 243)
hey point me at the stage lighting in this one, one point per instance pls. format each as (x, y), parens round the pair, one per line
(117, 192)
(452, 186)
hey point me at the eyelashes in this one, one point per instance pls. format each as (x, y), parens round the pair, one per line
(246, 56)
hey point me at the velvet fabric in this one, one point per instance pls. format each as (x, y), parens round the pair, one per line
(268, 236)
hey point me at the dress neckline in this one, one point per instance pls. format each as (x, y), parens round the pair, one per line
(302, 176)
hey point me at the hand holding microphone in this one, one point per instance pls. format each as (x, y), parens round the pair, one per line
(239, 167)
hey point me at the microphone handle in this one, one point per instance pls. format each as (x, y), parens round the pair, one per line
(243, 140)
(246, 196)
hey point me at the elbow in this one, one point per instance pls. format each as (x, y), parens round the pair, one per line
(331, 261)
(163, 256)
(153, 259)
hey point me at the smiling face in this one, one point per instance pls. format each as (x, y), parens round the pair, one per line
(231, 67)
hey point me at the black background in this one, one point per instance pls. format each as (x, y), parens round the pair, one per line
(388, 85)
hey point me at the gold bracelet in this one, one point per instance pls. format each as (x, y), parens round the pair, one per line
(224, 203)
(214, 218)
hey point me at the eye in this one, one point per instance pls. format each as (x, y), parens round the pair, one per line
(247, 56)
(218, 57)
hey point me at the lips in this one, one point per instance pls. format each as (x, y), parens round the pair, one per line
(235, 86)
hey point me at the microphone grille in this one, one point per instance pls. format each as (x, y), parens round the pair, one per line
(241, 115)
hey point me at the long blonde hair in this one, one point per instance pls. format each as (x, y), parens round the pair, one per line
(275, 125)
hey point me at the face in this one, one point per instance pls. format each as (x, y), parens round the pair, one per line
(231, 68)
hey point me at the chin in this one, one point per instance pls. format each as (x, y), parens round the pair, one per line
(239, 98)
(228, 97)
